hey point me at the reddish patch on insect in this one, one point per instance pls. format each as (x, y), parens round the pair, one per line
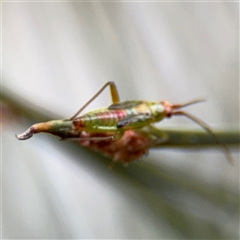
(130, 146)
(168, 108)
(78, 123)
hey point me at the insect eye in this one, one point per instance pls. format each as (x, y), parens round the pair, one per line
(168, 114)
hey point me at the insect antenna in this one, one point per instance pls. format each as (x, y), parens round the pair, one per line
(176, 106)
(204, 126)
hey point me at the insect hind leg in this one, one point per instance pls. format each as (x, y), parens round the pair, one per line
(113, 92)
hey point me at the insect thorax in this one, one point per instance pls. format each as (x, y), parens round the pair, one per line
(157, 111)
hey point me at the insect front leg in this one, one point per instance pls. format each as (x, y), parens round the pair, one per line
(155, 135)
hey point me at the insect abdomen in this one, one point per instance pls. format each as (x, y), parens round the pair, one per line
(100, 120)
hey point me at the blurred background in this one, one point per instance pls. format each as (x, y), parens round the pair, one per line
(56, 55)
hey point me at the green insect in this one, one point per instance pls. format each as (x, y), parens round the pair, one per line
(121, 122)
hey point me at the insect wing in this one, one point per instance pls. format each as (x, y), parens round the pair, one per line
(125, 105)
(134, 120)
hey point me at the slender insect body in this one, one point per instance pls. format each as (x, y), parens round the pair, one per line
(121, 116)
(118, 128)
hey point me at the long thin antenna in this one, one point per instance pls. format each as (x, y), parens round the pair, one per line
(176, 106)
(207, 129)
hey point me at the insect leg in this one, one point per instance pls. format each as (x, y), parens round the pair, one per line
(113, 92)
(158, 137)
(152, 137)
(207, 129)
